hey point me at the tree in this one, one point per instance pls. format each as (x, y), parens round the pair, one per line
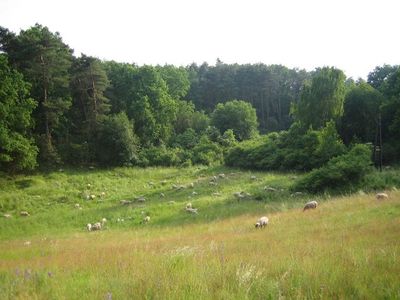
(117, 143)
(177, 80)
(361, 112)
(322, 99)
(17, 150)
(44, 60)
(237, 115)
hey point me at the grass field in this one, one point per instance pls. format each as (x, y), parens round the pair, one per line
(349, 247)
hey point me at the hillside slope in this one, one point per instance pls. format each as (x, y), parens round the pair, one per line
(348, 247)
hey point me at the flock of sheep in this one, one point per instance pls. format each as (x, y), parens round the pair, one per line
(260, 223)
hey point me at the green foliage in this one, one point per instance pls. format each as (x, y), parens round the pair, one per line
(186, 140)
(207, 152)
(322, 99)
(177, 80)
(288, 150)
(44, 60)
(237, 115)
(341, 171)
(161, 156)
(17, 150)
(361, 112)
(116, 141)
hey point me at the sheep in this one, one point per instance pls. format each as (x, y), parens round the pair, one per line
(97, 225)
(191, 185)
(146, 219)
(7, 216)
(141, 199)
(295, 194)
(125, 202)
(253, 177)
(189, 205)
(24, 214)
(213, 178)
(222, 175)
(270, 189)
(102, 194)
(162, 195)
(77, 205)
(381, 196)
(92, 197)
(261, 222)
(310, 205)
(191, 210)
(241, 195)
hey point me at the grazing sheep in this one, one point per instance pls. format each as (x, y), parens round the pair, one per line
(381, 196)
(213, 178)
(97, 225)
(261, 222)
(7, 216)
(191, 185)
(310, 205)
(295, 194)
(141, 199)
(253, 177)
(191, 210)
(241, 195)
(24, 214)
(270, 189)
(92, 197)
(77, 205)
(125, 202)
(146, 219)
(102, 194)
(189, 205)
(222, 175)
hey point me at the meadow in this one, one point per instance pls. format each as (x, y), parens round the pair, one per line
(347, 248)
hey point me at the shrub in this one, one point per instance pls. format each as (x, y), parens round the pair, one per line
(207, 152)
(116, 144)
(340, 171)
(161, 156)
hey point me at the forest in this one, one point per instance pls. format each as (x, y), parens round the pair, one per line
(57, 109)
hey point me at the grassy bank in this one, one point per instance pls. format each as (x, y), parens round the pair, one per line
(348, 248)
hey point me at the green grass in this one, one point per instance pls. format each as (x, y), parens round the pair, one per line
(348, 248)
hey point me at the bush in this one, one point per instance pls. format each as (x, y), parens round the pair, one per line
(294, 149)
(116, 143)
(161, 156)
(340, 171)
(207, 152)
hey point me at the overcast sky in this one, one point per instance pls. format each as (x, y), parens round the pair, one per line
(353, 35)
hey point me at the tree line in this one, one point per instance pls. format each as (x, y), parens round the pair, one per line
(56, 108)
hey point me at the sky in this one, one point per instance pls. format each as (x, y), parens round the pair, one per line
(353, 35)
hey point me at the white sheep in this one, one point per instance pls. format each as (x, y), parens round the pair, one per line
(310, 205)
(189, 205)
(24, 214)
(146, 219)
(191, 210)
(381, 196)
(191, 185)
(270, 189)
(262, 222)
(97, 225)
(7, 216)
(141, 199)
(222, 175)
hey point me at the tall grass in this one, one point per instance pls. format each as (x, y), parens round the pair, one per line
(347, 248)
